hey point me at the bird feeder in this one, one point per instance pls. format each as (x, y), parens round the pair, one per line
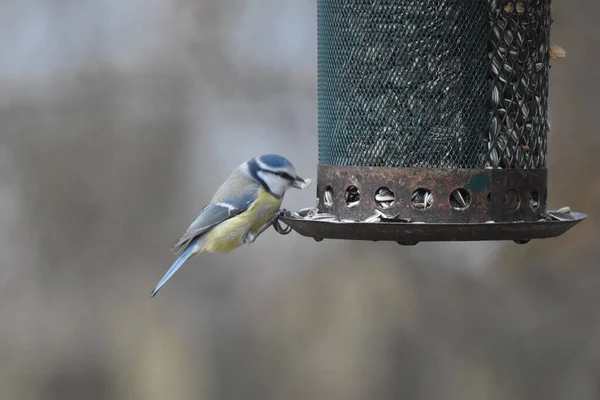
(433, 122)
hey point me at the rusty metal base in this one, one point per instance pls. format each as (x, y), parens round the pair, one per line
(494, 194)
(410, 233)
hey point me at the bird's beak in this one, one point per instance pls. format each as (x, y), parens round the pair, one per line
(300, 183)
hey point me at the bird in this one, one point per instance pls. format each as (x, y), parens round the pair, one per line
(245, 205)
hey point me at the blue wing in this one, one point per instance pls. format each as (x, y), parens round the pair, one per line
(213, 214)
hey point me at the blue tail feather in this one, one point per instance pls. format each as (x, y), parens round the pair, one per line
(176, 265)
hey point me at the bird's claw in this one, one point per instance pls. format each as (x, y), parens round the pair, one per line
(281, 230)
(277, 224)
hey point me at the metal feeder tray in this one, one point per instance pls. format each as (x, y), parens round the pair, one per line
(410, 233)
(494, 205)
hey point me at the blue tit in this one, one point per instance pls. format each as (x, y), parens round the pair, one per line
(245, 204)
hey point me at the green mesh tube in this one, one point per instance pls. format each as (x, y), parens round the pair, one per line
(433, 83)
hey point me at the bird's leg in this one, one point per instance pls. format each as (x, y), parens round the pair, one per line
(251, 236)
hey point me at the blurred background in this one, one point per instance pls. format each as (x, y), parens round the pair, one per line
(119, 119)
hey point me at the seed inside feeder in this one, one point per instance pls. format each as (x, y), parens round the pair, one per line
(384, 197)
(352, 196)
(328, 197)
(460, 199)
(422, 199)
(512, 200)
(534, 200)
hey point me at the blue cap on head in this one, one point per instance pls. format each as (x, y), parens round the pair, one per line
(275, 161)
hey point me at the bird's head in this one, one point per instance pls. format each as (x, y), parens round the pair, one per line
(275, 174)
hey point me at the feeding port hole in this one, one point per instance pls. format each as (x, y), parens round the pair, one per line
(460, 199)
(422, 199)
(384, 198)
(352, 196)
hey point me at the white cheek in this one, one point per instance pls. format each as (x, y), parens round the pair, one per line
(277, 185)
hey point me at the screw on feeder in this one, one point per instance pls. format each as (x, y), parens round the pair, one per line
(407, 243)
(522, 241)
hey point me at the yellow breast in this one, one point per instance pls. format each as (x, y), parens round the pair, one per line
(229, 234)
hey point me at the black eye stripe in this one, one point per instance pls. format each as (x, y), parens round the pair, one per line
(284, 175)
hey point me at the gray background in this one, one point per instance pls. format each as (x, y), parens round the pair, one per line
(118, 120)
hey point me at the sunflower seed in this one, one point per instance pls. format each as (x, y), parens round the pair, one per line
(533, 203)
(496, 31)
(373, 218)
(502, 141)
(557, 52)
(519, 156)
(459, 198)
(422, 199)
(495, 96)
(520, 39)
(352, 196)
(294, 214)
(308, 212)
(525, 111)
(320, 217)
(501, 22)
(494, 158)
(384, 198)
(560, 216)
(494, 127)
(328, 198)
(394, 218)
(352, 204)
(496, 66)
